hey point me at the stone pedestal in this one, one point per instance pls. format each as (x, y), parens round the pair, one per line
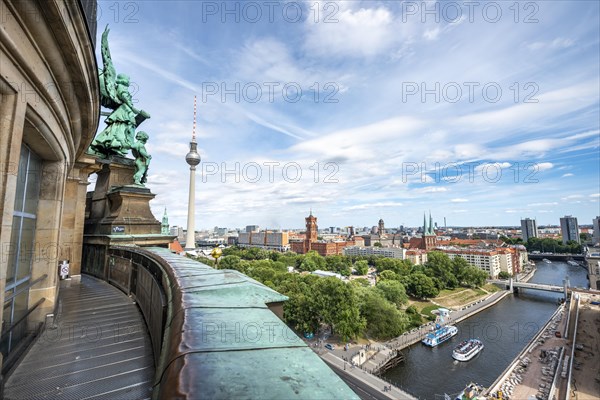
(118, 213)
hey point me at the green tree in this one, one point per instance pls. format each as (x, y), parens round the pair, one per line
(232, 251)
(383, 319)
(299, 310)
(312, 261)
(360, 282)
(440, 266)
(400, 267)
(308, 264)
(362, 267)
(388, 276)
(504, 275)
(377, 244)
(392, 291)
(231, 262)
(336, 306)
(458, 266)
(421, 286)
(338, 263)
(474, 277)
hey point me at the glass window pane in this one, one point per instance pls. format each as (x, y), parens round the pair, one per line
(26, 248)
(19, 310)
(10, 251)
(21, 300)
(21, 176)
(34, 177)
(6, 321)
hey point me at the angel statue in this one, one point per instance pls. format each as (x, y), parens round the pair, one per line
(118, 136)
(142, 158)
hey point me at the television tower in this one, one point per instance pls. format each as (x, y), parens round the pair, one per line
(193, 159)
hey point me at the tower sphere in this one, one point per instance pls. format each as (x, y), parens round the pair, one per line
(192, 158)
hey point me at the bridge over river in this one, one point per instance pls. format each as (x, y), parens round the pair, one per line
(511, 284)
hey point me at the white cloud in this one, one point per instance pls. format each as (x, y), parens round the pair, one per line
(567, 175)
(573, 197)
(368, 206)
(558, 43)
(365, 32)
(432, 189)
(459, 200)
(431, 34)
(544, 166)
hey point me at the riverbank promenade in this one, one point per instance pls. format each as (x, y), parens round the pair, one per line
(417, 334)
(371, 385)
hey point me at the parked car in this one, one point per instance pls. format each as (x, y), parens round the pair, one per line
(329, 346)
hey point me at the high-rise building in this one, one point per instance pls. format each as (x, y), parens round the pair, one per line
(596, 233)
(381, 227)
(252, 228)
(193, 159)
(569, 229)
(266, 239)
(177, 231)
(528, 229)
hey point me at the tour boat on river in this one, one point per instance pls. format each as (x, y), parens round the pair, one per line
(441, 332)
(467, 350)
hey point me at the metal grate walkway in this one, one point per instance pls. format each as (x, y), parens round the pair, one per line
(98, 348)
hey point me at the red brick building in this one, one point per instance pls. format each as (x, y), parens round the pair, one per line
(311, 242)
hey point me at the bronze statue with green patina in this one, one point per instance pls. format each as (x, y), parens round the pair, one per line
(119, 135)
(142, 158)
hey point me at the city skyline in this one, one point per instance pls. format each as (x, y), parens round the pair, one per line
(388, 148)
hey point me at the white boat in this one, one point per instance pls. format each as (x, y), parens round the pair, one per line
(467, 350)
(574, 263)
(547, 261)
(441, 332)
(440, 335)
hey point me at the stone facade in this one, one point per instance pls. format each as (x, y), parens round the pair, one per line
(49, 109)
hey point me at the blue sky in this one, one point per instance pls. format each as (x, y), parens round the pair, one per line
(363, 110)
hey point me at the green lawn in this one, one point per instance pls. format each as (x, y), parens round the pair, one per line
(491, 288)
(428, 309)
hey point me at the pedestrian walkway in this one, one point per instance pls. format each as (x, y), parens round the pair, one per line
(387, 390)
(379, 359)
(97, 348)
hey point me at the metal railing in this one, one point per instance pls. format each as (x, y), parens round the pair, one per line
(138, 274)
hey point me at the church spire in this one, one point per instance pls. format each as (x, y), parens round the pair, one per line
(424, 224)
(164, 227)
(431, 232)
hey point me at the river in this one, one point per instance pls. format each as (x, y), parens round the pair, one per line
(505, 329)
